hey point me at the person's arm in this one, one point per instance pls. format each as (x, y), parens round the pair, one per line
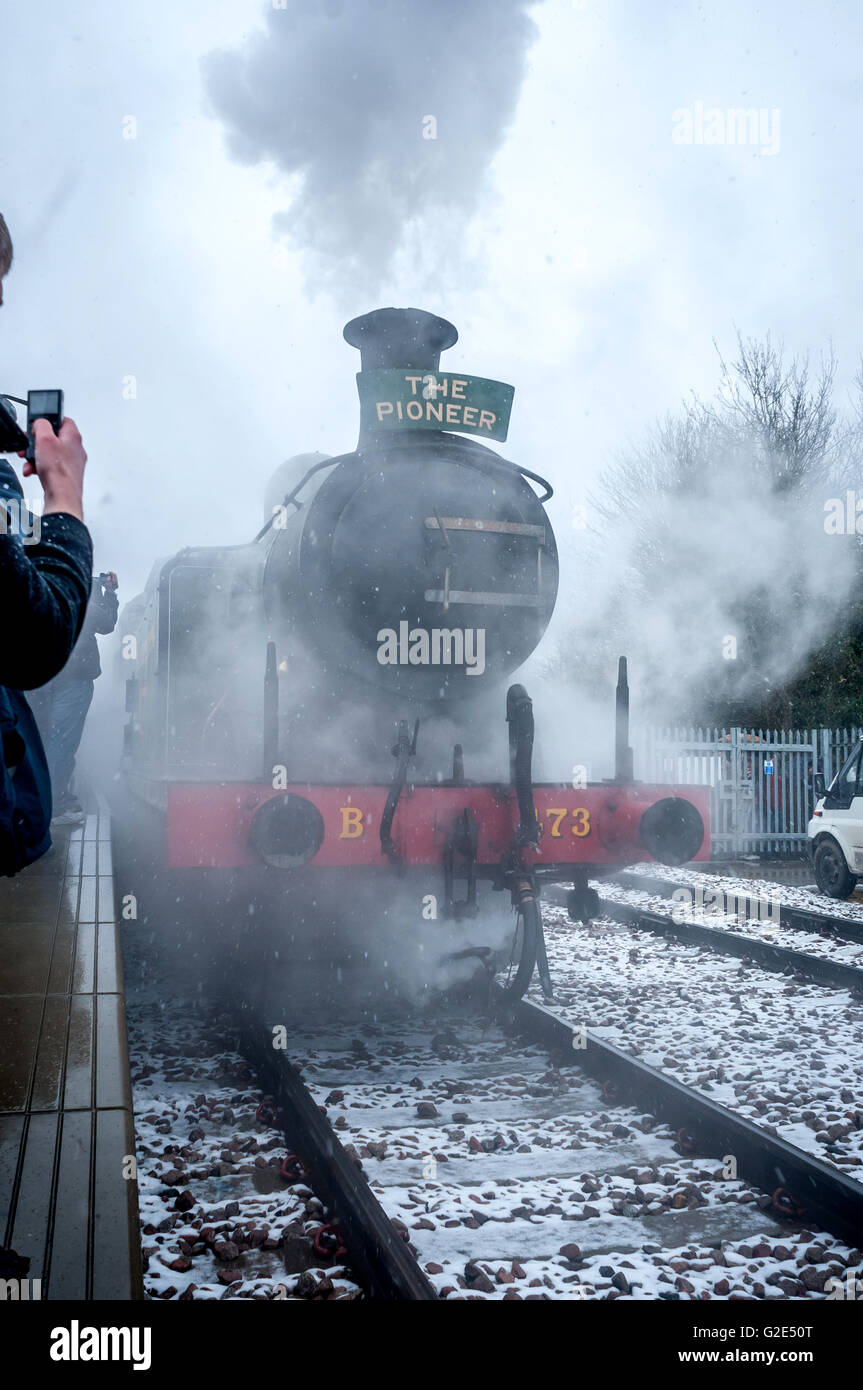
(44, 588)
(43, 597)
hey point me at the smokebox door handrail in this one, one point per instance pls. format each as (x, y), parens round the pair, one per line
(294, 493)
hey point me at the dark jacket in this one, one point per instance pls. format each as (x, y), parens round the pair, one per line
(25, 786)
(101, 616)
(43, 597)
(44, 590)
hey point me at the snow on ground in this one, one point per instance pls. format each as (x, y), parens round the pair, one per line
(783, 1053)
(512, 1176)
(217, 1220)
(514, 1179)
(759, 928)
(808, 898)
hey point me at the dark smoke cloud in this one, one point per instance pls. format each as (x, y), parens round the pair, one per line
(335, 96)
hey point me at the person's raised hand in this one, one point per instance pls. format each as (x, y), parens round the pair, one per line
(59, 466)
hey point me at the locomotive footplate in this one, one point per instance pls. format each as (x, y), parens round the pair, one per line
(589, 830)
(493, 831)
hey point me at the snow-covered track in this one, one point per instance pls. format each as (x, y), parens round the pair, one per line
(548, 1144)
(746, 901)
(379, 1255)
(798, 1183)
(819, 969)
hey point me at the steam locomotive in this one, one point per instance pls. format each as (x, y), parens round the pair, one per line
(322, 709)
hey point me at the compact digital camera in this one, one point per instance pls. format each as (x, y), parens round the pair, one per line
(41, 405)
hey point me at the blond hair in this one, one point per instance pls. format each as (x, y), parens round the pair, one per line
(5, 247)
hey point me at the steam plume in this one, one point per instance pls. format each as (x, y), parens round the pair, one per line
(339, 96)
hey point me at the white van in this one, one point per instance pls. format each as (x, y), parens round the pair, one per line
(836, 829)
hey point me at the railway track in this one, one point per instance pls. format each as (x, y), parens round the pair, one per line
(217, 1219)
(491, 1152)
(746, 904)
(822, 969)
(523, 1158)
(379, 1254)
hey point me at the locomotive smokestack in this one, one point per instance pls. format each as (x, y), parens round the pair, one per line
(408, 338)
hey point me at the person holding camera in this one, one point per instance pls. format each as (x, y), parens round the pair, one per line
(61, 707)
(44, 588)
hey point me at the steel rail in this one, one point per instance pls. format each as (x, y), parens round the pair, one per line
(818, 969)
(795, 918)
(799, 1184)
(376, 1251)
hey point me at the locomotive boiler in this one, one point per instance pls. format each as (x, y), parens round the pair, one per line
(323, 705)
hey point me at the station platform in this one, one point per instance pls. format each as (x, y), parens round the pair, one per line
(66, 1121)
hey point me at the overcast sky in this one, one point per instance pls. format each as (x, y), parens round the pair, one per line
(584, 254)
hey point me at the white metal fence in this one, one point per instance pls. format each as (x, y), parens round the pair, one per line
(760, 780)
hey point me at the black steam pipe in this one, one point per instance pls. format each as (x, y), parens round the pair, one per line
(271, 712)
(519, 717)
(622, 750)
(404, 749)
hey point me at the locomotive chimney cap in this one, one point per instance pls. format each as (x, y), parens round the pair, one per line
(400, 338)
